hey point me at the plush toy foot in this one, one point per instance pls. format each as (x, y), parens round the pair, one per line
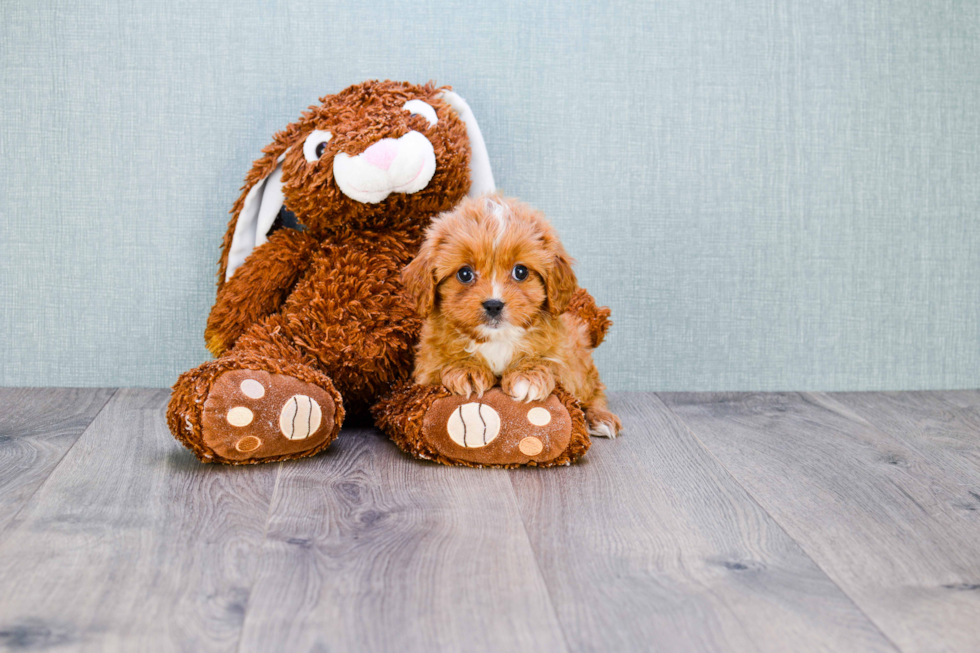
(243, 416)
(493, 431)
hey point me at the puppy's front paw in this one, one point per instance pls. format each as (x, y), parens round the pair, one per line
(467, 381)
(602, 423)
(533, 384)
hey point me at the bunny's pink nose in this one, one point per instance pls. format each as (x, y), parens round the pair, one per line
(382, 153)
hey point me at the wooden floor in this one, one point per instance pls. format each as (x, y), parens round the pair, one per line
(718, 522)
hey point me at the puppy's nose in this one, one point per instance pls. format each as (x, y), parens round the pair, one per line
(382, 153)
(493, 307)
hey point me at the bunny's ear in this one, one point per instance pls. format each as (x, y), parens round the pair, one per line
(481, 176)
(259, 210)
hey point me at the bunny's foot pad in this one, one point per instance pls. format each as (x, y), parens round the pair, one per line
(493, 431)
(251, 414)
(244, 416)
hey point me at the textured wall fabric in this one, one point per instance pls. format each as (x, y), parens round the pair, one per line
(770, 195)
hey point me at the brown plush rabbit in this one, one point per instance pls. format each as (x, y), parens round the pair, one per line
(310, 320)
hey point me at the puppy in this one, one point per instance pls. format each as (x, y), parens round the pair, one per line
(492, 281)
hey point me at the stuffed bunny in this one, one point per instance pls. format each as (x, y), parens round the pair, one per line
(310, 321)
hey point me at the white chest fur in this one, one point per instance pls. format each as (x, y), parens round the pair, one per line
(498, 350)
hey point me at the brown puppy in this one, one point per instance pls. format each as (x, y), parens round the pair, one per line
(493, 281)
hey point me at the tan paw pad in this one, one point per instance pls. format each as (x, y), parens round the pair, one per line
(248, 443)
(240, 416)
(539, 417)
(252, 389)
(531, 446)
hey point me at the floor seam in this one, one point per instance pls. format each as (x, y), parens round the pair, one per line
(537, 563)
(776, 521)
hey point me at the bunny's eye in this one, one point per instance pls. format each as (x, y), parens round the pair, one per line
(420, 108)
(315, 144)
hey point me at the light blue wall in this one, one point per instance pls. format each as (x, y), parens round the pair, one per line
(770, 194)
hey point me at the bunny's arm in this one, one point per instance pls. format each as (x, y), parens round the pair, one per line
(259, 287)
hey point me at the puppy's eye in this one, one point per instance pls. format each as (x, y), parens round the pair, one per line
(465, 275)
(519, 272)
(420, 108)
(315, 144)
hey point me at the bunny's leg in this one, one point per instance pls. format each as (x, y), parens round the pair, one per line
(259, 402)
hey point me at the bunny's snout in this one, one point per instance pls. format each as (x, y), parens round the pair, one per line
(390, 165)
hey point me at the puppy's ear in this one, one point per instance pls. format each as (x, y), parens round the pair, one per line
(560, 282)
(419, 280)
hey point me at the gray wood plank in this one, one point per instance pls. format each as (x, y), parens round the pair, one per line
(649, 545)
(132, 545)
(37, 427)
(370, 550)
(942, 427)
(882, 520)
